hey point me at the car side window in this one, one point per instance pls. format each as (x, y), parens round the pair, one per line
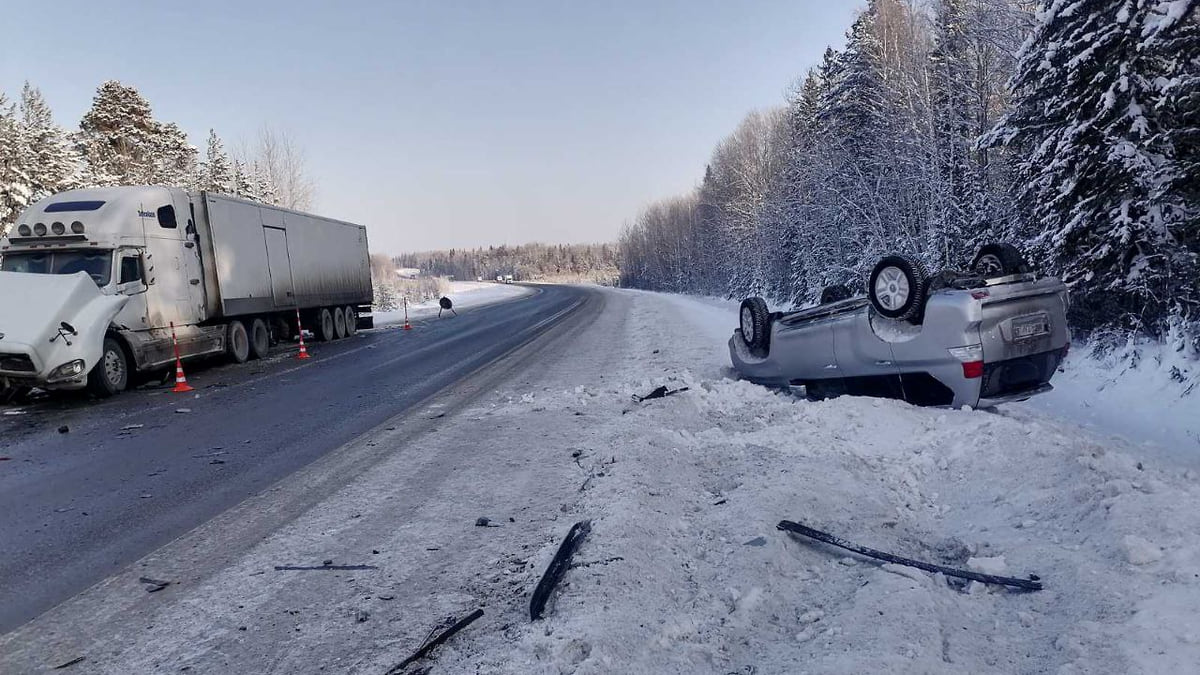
(131, 269)
(166, 217)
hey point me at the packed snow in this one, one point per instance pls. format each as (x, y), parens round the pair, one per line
(684, 570)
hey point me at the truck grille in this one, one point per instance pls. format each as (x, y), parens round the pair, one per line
(17, 363)
(1015, 376)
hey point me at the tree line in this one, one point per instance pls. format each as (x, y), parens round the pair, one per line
(1070, 128)
(119, 142)
(577, 262)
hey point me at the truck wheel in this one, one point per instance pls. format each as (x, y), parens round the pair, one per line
(897, 288)
(339, 323)
(351, 320)
(325, 326)
(239, 342)
(260, 339)
(110, 375)
(999, 260)
(756, 326)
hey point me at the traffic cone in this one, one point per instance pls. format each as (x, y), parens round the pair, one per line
(181, 385)
(407, 326)
(300, 329)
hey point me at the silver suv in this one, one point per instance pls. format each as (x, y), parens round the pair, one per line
(991, 335)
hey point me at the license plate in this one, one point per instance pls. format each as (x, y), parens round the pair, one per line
(1030, 327)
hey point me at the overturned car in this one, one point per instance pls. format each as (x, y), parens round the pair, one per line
(993, 334)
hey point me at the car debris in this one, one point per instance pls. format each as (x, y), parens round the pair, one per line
(131, 427)
(64, 429)
(430, 644)
(68, 664)
(1033, 583)
(327, 565)
(558, 566)
(659, 392)
(153, 585)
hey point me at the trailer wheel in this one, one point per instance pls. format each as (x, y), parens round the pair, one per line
(239, 342)
(110, 375)
(325, 326)
(351, 320)
(897, 288)
(260, 339)
(755, 322)
(999, 260)
(339, 323)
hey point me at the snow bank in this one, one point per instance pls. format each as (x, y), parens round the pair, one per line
(464, 294)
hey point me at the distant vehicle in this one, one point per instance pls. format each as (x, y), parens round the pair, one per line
(499, 278)
(91, 282)
(478, 278)
(508, 278)
(991, 335)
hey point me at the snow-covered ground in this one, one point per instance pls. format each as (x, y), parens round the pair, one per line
(464, 294)
(684, 570)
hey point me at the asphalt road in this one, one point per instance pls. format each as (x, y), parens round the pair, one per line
(134, 472)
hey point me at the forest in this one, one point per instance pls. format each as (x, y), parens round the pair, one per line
(527, 262)
(119, 142)
(1070, 128)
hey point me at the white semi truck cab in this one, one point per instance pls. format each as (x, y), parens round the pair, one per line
(92, 281)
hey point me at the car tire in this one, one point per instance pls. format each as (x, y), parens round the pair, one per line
(324, 332)
(110, 375)
(897, 288)
(999, 260)
(260, 339)
(238, 346)
(755, 324)
(351, 320)
(835, 293)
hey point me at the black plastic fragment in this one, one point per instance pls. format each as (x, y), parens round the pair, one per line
(557, 568)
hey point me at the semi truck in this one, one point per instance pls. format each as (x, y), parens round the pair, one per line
(98, 286)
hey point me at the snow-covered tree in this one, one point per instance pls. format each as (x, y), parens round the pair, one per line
(216, 171)
(1089, 123)
(123, 144)
(15, 190)
(46, 152)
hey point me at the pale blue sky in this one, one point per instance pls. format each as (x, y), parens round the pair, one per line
(441, 124)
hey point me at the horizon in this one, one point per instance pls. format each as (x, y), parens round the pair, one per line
(453, 126)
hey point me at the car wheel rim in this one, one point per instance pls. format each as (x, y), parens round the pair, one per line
(747, 324)
(114, 369)
(891, 288)
(989, 264)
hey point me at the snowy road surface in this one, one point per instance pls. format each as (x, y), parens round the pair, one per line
(134, 472)
(684, 571)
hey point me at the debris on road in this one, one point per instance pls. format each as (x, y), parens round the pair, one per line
(183, 411)
(325, 566)
(615, 558)
(153, 585)
(660, 392)
(431, 644)
(484, 522)
(64, 429)
(558, 566)
(68, 664)
(1030, 584)
(131, 427)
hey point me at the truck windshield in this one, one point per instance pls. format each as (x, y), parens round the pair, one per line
(98, 264)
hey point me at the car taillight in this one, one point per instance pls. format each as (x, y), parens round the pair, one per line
(972, 360)
(980, 295)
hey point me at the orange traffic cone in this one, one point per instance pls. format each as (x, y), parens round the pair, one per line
(181, 385)
(300, 329)
(407, 326)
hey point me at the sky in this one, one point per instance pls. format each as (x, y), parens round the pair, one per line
(445, 123)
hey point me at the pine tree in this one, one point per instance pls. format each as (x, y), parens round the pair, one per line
(15, 190)
(117, 137)
(216, 172)
(47, 155)
(1087, 122)
(244, 185)
(946, 236)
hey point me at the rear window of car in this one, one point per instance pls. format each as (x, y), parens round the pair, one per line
(60, 207)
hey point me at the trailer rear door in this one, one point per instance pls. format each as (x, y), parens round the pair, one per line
(280, 265)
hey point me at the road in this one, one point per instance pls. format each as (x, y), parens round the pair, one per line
(133, 473)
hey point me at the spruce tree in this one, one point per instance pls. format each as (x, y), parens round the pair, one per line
(15, 190)
(47, 155)
(216, 172)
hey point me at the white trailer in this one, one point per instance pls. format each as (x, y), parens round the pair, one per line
(91, 282)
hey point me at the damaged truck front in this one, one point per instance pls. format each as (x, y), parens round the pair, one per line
(94, 282)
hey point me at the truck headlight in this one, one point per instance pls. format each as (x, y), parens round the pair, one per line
(66, 371)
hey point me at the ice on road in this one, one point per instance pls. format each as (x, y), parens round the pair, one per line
(684, 571)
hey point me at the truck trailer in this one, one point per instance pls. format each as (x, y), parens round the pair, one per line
(98, 285)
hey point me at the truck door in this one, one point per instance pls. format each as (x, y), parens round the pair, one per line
(189, 258)
(280, 266)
